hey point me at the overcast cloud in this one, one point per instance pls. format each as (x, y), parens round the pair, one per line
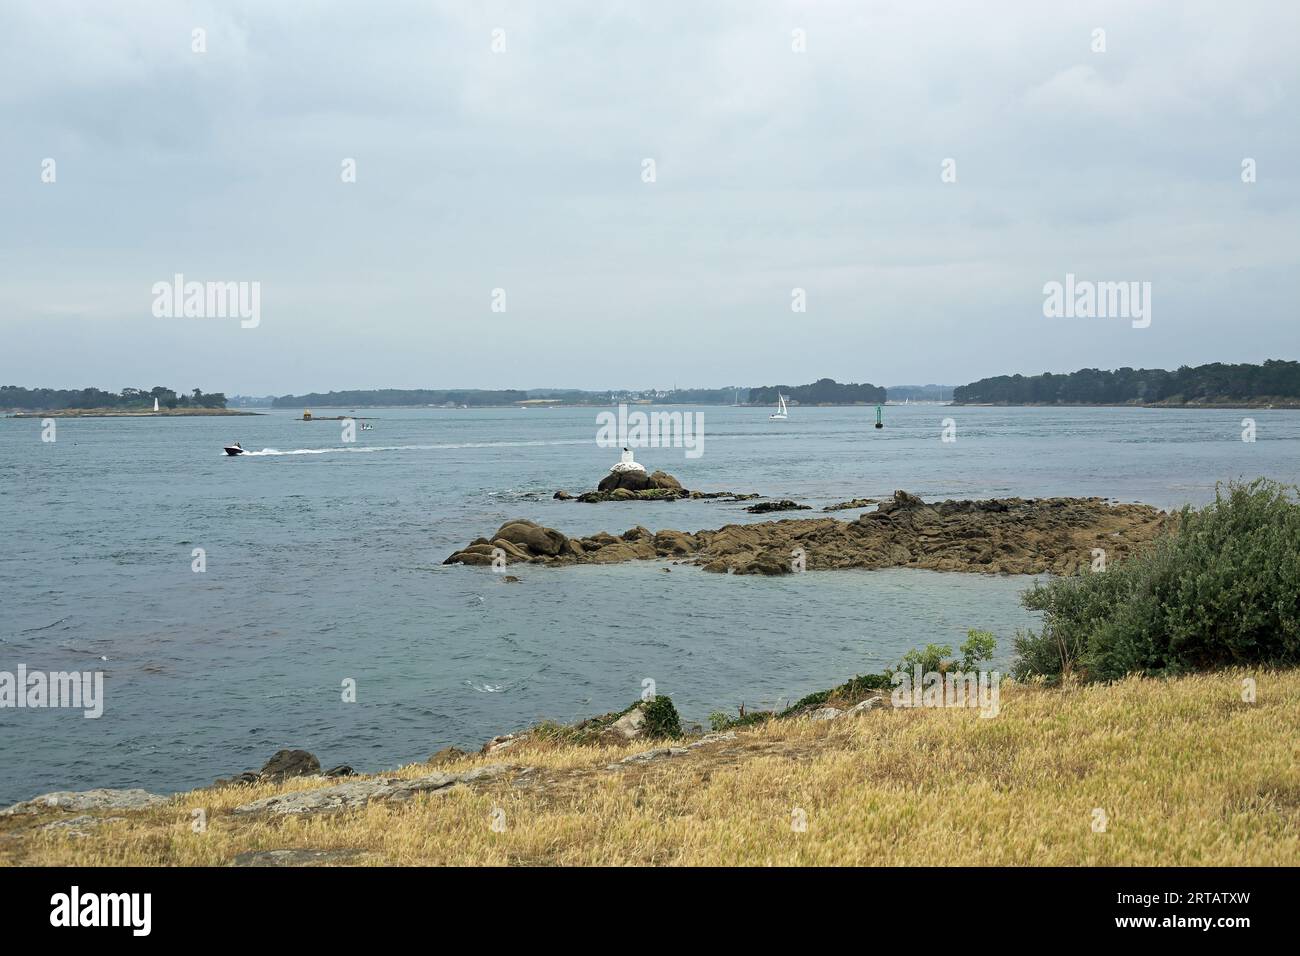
(522, 170)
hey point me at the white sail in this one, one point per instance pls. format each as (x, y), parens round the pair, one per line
(781, 412)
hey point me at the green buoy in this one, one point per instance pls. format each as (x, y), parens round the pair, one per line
(879, 423)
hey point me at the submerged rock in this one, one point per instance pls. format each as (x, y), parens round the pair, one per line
(785, 504)
(853, 503)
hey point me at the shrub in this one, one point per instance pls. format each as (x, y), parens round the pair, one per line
(1223, 590)
(978, 648)
(661, 718)
(815, 699)
(931, 658)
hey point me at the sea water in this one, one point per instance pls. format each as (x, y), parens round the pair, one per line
(322, 566)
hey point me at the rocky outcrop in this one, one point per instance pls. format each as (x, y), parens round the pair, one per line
(640, 481)
(785, 504)
(289, 763)
(446, 755)
(996, 536)
(81, 801)
(296, 856)
(637, 485)
(503, 742)
(518, 540)
(851, 504)
(358, 793)
(631, 725)
(83, 825)
(825, 713)
(283, 765)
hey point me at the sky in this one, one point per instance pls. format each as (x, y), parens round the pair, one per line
(920, 170)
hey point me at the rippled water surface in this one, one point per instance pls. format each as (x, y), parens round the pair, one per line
(324, 563)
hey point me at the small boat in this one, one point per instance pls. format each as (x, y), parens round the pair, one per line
(782, 413)
(235, 449)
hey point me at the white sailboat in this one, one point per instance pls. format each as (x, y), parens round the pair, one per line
(782, 413)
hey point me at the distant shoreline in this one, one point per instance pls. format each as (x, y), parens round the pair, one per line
(127, 413)
(1292, 406)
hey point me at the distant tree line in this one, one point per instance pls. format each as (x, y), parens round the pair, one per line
(706, 396)
(401, 396)
(920, 393)
(824, 391)
(49, 399)
(1273, 381)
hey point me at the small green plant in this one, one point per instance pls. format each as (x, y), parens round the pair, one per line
(978, 648)
(933, 657)
(815, 699)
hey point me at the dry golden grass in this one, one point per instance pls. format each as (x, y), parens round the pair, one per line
(1185, 772)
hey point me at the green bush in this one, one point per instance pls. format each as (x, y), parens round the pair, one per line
(978, 648)
(860, 686)
(1223, 590)
(931, 658)
(661, 718)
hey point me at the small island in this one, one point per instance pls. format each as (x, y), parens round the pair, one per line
(160, 401)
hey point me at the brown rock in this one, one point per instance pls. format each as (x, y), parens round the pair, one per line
(666, 482)
(289, 763)
(785, 504)
(851, 504)
(532, 537)
(997, 536)
(446, 755)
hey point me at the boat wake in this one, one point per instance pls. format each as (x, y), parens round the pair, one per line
(359, 449)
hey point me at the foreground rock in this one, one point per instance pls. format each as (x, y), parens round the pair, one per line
(358, 793)
(293, 856)
(996, 536)
(80, 801)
